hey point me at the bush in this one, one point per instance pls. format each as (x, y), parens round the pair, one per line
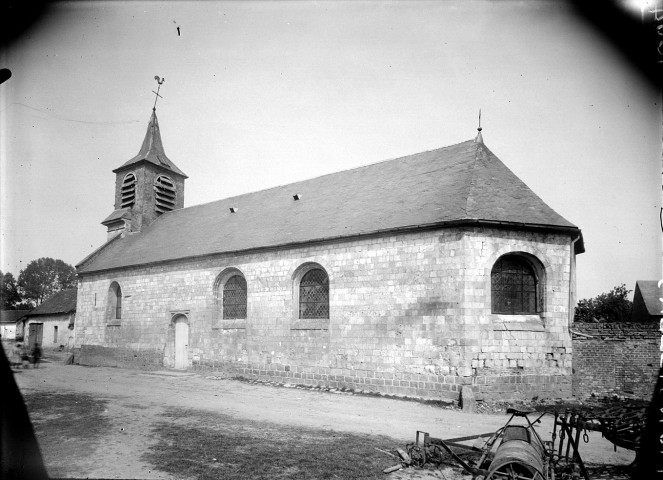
(610, 307)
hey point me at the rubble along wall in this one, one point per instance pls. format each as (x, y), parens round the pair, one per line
(615, 358)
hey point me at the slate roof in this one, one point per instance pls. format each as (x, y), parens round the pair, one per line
(460, 184)
(12, 316)
(117, 214)
(152, 149)
(61, 302)
(650, 292)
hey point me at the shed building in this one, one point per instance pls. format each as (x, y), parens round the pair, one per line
(8, 321)
(647, 304)
(52, 323)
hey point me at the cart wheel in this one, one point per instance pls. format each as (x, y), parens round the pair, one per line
(514, 471)
(417, 454)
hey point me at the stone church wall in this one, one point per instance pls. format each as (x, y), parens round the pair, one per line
(410, 314)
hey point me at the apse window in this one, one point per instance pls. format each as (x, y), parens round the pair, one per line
(164, 194)
(314, 294)
(514, 286)
(128, 191)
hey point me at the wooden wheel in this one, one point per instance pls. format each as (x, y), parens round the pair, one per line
(514, 470)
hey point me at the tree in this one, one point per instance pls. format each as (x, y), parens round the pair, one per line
(9, 296)
(613, 306)
(44, 277)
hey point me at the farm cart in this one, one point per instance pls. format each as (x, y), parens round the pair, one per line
(513, 452)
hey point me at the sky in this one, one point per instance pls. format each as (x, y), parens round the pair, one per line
(260, 94)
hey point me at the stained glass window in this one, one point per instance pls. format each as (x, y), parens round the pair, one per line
(514, 286)
(234, 298)
(314, 294)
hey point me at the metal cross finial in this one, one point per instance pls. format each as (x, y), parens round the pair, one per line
(160, 82)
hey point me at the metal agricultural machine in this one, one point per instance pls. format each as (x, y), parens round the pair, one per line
(514, 452)
(517, 452)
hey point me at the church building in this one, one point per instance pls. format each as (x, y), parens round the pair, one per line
(414, 276)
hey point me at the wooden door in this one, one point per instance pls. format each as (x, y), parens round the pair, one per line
(35, 334)
(181, 343)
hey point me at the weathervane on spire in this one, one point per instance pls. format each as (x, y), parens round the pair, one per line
(479, 138)
(160, 82)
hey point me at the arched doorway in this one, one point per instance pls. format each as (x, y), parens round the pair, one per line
(181, 324)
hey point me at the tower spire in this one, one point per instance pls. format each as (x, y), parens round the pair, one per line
(479, 137)
(157, 97)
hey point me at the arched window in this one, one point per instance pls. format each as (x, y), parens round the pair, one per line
(164, 194)
(230, 299)
(314, 294)
(114, 309)
(234, 298)
(128, 190)
(514, 286)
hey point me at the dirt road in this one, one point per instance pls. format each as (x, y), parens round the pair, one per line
(136, 399)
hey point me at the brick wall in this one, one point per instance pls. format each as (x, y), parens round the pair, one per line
(615, 358)
(410, 314)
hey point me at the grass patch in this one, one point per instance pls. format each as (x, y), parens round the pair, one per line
(68, 427)
(211, 446)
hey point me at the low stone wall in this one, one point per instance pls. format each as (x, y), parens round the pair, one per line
(98, 356)
(608, 358)
(615, 358)
(448, 387)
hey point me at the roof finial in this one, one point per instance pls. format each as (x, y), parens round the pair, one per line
(160, 82)
(479, 138)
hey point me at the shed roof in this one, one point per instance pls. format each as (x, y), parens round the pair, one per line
(62, 302)
(460, 184)
(117, 214)
(650, 292)
(12, 316)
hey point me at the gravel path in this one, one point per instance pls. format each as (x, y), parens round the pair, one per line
(136, 399)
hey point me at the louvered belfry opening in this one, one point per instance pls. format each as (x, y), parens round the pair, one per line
(234, 298)
(514, 286)
(164, 190)
(128, 191)
(314, 294)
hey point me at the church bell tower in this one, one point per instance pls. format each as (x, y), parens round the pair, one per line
(146, 186)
